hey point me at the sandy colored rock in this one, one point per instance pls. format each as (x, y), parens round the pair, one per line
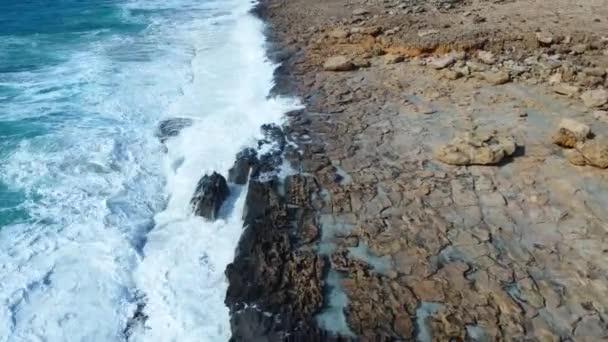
(392, 59)
(486, 57)
(595, 152)
(442, 62)
(575, 157)
(496, 78)
(601, 115)
(595, 98)
(570, 132)
(565, 89)
(476, 149)
(338, 63)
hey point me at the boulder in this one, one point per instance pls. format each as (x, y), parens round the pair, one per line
(497, 78)
(544, 38)
(476, 149)
(442, 62)
(339, 33)
(595, 98)
(171, 127)
(338, 63)
(210, 194)
(239, 172)
(570, 132)
(595, 152)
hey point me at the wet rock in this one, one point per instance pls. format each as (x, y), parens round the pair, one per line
(497, 78)
(595, 98)
(338, 63)
(239, 172)
(476, 149)
(570, 132)
(172, 127)
(209, 195)
(442, 62)
(269, 277)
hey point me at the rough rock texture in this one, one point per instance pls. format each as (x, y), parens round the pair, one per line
(338, 63)
(595, 98)
(476, 149)
(570, 132)
(239, 172)
(412, 248)
(211, 191)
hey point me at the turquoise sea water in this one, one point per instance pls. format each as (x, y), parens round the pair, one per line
(94, 211)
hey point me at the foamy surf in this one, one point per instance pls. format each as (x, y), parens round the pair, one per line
(108, 235)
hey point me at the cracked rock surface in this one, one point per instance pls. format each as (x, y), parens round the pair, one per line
(375, 236)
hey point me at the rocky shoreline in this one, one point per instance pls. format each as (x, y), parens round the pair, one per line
(429, 198)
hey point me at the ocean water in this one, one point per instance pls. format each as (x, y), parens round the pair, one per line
(95, 218)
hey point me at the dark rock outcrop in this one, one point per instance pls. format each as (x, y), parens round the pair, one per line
(210, 193)
(275, 288)
(171, 127)
(239, 172)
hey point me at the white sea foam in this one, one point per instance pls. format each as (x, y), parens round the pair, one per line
(110, 219)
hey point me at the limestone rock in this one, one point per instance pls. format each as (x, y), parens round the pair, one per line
(595, 98)
(575, 157)
(497, 78)
(595, 152)
(476, 149)
(565, 89)
(570, 132)
(339, 33)
(486, 57)
(338, 63)
(442, 62)
(544, 38)
(210, 193)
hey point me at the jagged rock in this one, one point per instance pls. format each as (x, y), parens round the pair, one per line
(486, 57)
(476, 149)
(171, 127)
(497, 78)
(269, 275)
(239, 173)
(209, 195)
(595, 98)
(570, 132)
(442, 62)
(338, 63)
(575, 157)
(595, 152)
